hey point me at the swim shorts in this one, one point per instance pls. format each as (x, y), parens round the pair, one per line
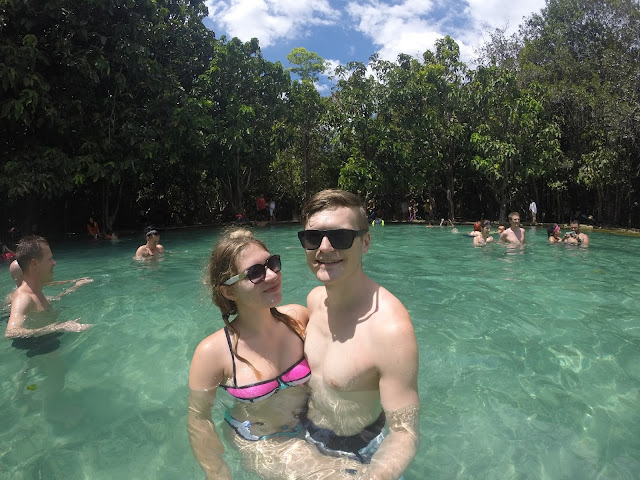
(38, 345)
(359, 447)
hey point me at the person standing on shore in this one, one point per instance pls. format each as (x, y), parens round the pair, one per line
(533, 208)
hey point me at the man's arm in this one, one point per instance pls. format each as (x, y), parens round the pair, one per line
(79, 282)
(64, 282)
(400, 401)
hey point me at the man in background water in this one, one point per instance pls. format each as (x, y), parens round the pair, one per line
(36, 262)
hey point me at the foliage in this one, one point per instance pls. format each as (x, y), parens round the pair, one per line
(118, 106)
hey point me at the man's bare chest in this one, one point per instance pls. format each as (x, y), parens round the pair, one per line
(345, 364)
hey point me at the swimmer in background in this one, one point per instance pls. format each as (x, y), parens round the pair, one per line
(514, 235)
(152, 248)
(36, 262)
(93, 229)
(477, 229)
(360, 345)
(484, 236)
(554, 233)
(575, 236)
(500, 230)
(256, 367)
(17, 276)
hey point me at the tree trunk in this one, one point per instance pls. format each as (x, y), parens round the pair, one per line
(600, 199)
(305, 146)
(109, 218)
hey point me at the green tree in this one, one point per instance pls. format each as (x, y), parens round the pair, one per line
(245, 97)
(585, 55)
(308, 65)
(512, 137)
(88, 97)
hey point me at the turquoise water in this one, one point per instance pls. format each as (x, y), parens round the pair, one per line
(530, 359)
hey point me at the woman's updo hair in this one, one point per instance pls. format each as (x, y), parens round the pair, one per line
(551, 229)
(222, 265)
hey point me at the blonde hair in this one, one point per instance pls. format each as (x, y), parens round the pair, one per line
(222, 266)
(334, 198)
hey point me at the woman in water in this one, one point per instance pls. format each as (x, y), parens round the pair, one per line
(554, 233)
(256, 363)
(477, 230)
(483, 238)
(152, 248)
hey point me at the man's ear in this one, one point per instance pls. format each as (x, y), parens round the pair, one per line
(366, 242)
(228, 292)
(33, 264)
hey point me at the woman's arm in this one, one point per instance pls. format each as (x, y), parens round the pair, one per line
(205, 375)
(205, 442)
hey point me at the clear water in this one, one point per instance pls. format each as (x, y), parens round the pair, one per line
(530, 359)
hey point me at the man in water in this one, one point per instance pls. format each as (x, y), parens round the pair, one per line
(576, 236)
(360, 345)
(152, 248)
(515, 233)
(36, 262)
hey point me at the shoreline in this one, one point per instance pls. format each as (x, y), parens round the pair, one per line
(627, 232)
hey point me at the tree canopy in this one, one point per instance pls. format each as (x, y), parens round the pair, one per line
(135, 113)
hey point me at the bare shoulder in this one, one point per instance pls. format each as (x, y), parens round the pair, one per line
(160, 248)
(316, 296)
(22, 302)
(211, 347)
(299, 312)
(393, 315)
(141, 252)
(210, 363)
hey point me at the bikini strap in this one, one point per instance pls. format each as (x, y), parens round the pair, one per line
(233, 360)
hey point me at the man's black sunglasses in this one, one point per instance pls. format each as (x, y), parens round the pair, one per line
(257, 273)
(340, 239)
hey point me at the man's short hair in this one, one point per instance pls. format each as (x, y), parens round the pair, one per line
(334, 198)
(513, 214)
(29, 248)
(574, 221)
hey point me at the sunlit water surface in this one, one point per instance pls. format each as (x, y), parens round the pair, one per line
(529, 358)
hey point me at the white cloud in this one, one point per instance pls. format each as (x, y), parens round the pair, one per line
(409, 26)
(502, 13)
(270, 20)
(397, 28)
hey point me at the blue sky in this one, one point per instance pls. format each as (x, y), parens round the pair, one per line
(341, 30)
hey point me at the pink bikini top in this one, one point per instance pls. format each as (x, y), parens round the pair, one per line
(297, 374)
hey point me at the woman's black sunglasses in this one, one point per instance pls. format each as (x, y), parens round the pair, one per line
(340, 239)
(257, 273)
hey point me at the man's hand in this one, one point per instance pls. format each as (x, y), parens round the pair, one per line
(74, 326)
